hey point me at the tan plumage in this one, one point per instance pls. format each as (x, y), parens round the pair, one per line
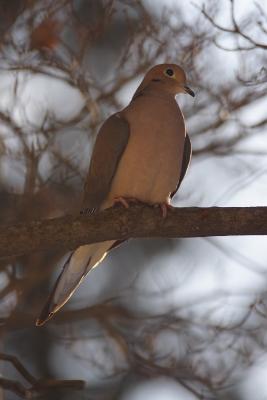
(142, 152)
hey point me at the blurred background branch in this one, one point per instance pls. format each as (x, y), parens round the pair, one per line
(37, 386)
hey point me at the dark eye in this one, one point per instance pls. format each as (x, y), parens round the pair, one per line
(169, 72)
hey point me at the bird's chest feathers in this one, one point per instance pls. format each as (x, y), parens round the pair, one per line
(156, 129)
(150, 165)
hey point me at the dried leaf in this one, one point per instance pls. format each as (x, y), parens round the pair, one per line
(45, 35)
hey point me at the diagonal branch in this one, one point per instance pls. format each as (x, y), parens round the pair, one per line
(37, 386)
(139, 221)
(19, 367)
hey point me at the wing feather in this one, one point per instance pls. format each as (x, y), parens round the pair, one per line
(110, 144)
(186, 161)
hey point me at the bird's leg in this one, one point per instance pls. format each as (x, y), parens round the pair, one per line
(121, 200)
(165, 207)
(125, 201)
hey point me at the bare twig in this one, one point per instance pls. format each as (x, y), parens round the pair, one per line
(234, 30)
(38, 386)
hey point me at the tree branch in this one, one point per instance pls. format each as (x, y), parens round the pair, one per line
(139, 221)
(37, 386)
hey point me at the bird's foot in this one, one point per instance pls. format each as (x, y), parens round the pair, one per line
(165, 207)
(125, 201)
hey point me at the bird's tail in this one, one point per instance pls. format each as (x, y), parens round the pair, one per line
(79, 263)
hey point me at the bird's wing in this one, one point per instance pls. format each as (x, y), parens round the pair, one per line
(109, 147)
(186, 161)
(110, 144)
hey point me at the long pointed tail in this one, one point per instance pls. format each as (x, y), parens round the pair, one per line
(80, 262)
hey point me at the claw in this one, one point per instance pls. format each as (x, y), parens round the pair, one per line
(125, 201)
(165, 207)
(121, 200)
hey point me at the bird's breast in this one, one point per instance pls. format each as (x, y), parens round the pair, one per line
(150, 166)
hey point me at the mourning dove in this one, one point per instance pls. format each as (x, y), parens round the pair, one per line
(142, 153)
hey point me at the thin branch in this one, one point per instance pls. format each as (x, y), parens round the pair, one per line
(15, 387)
(139, 221)
(38, 386)
(19, 367)
(235, 30)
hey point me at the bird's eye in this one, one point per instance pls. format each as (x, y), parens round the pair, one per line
(169, 72)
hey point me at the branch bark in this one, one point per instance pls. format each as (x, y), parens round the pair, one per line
(139, 221)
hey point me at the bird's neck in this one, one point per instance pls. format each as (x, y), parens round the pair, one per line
(153, 89)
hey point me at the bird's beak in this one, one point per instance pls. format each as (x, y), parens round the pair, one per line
(189, 91)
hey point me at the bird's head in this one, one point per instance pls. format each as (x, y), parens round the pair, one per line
(168, 77)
